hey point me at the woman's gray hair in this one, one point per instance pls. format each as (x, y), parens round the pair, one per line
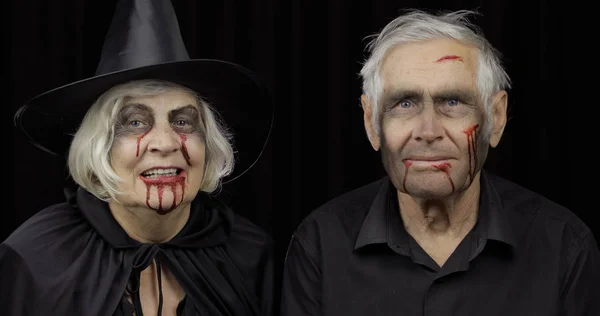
(89, 155)
(417, 25)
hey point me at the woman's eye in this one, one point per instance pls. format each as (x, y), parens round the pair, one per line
(135, 123)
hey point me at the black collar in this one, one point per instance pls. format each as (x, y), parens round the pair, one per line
(383, 223)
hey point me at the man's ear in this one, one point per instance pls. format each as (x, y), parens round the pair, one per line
(368, 120)
(499, 113)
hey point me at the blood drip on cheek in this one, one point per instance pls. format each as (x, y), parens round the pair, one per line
(139, 139)
(471, 133)
(160, 185)
(445, 167)
(407, 164)
(184, 149)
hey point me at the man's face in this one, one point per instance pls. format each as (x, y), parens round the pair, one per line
(159, 151)
(432, 118)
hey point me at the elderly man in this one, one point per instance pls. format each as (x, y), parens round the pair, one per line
(439, 235)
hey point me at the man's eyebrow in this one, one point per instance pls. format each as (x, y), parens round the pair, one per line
(462, 94)
(401, 94)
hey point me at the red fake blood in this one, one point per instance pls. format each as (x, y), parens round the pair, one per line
(139, 139)
(407, 163)
(184, 150)
(449, 57)
(160, 183)
(472, 145)
(445, 167)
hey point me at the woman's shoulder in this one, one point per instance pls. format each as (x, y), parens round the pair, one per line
(247, 234)
(243, 233)
(47, 231)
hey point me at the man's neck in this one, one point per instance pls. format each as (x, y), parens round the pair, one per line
(449, 218)
(147, 226)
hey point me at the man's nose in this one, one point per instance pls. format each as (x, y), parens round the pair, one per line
(430, 126)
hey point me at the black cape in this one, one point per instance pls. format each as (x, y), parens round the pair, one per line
(73, 258)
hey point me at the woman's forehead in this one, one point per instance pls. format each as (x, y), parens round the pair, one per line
(164, 102)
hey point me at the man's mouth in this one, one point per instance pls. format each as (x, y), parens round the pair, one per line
(430, 159)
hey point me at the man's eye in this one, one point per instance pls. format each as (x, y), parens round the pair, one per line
(453, 102)
(405, 104)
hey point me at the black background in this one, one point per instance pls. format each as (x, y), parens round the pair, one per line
(310, 53)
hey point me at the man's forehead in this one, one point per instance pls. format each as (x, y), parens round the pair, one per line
(423, 91)
(429, 85)
(434, 50)
(430, 57)
(429, 70)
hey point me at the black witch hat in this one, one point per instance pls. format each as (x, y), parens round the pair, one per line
(144, 42)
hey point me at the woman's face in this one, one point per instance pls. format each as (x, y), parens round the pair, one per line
(159, 151)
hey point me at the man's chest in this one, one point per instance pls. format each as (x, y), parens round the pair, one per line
(396, 285)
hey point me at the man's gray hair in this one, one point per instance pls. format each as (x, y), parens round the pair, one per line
(417, 25)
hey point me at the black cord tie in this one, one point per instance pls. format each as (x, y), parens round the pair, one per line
(142, 259)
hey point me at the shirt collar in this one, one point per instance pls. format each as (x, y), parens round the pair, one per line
(492, 222)
(383, 223)
(375, 226)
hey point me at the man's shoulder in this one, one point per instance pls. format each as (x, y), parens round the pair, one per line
(524, 202)
(344, 211)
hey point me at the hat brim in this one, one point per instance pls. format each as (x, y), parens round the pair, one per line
(242, 101)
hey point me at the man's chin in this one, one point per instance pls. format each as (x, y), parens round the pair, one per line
(436, 186)
(429, 193)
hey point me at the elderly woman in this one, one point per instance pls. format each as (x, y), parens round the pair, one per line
(143, 234)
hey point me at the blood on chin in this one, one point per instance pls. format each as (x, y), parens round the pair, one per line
(164, 211)
(163, 206)
(164, 194)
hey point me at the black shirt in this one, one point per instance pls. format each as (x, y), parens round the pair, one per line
(75, 259)
(525, 256)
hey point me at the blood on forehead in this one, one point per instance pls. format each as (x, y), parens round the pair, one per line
(449, 57)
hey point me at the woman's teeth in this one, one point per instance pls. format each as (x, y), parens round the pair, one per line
(160, 173)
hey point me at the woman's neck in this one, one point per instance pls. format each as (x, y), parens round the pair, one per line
(146, 225)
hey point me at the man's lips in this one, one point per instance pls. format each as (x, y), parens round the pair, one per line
(426, 162)
(427, 159)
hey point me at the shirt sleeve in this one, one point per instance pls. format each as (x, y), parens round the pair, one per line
(581, 292)
(301, 291)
